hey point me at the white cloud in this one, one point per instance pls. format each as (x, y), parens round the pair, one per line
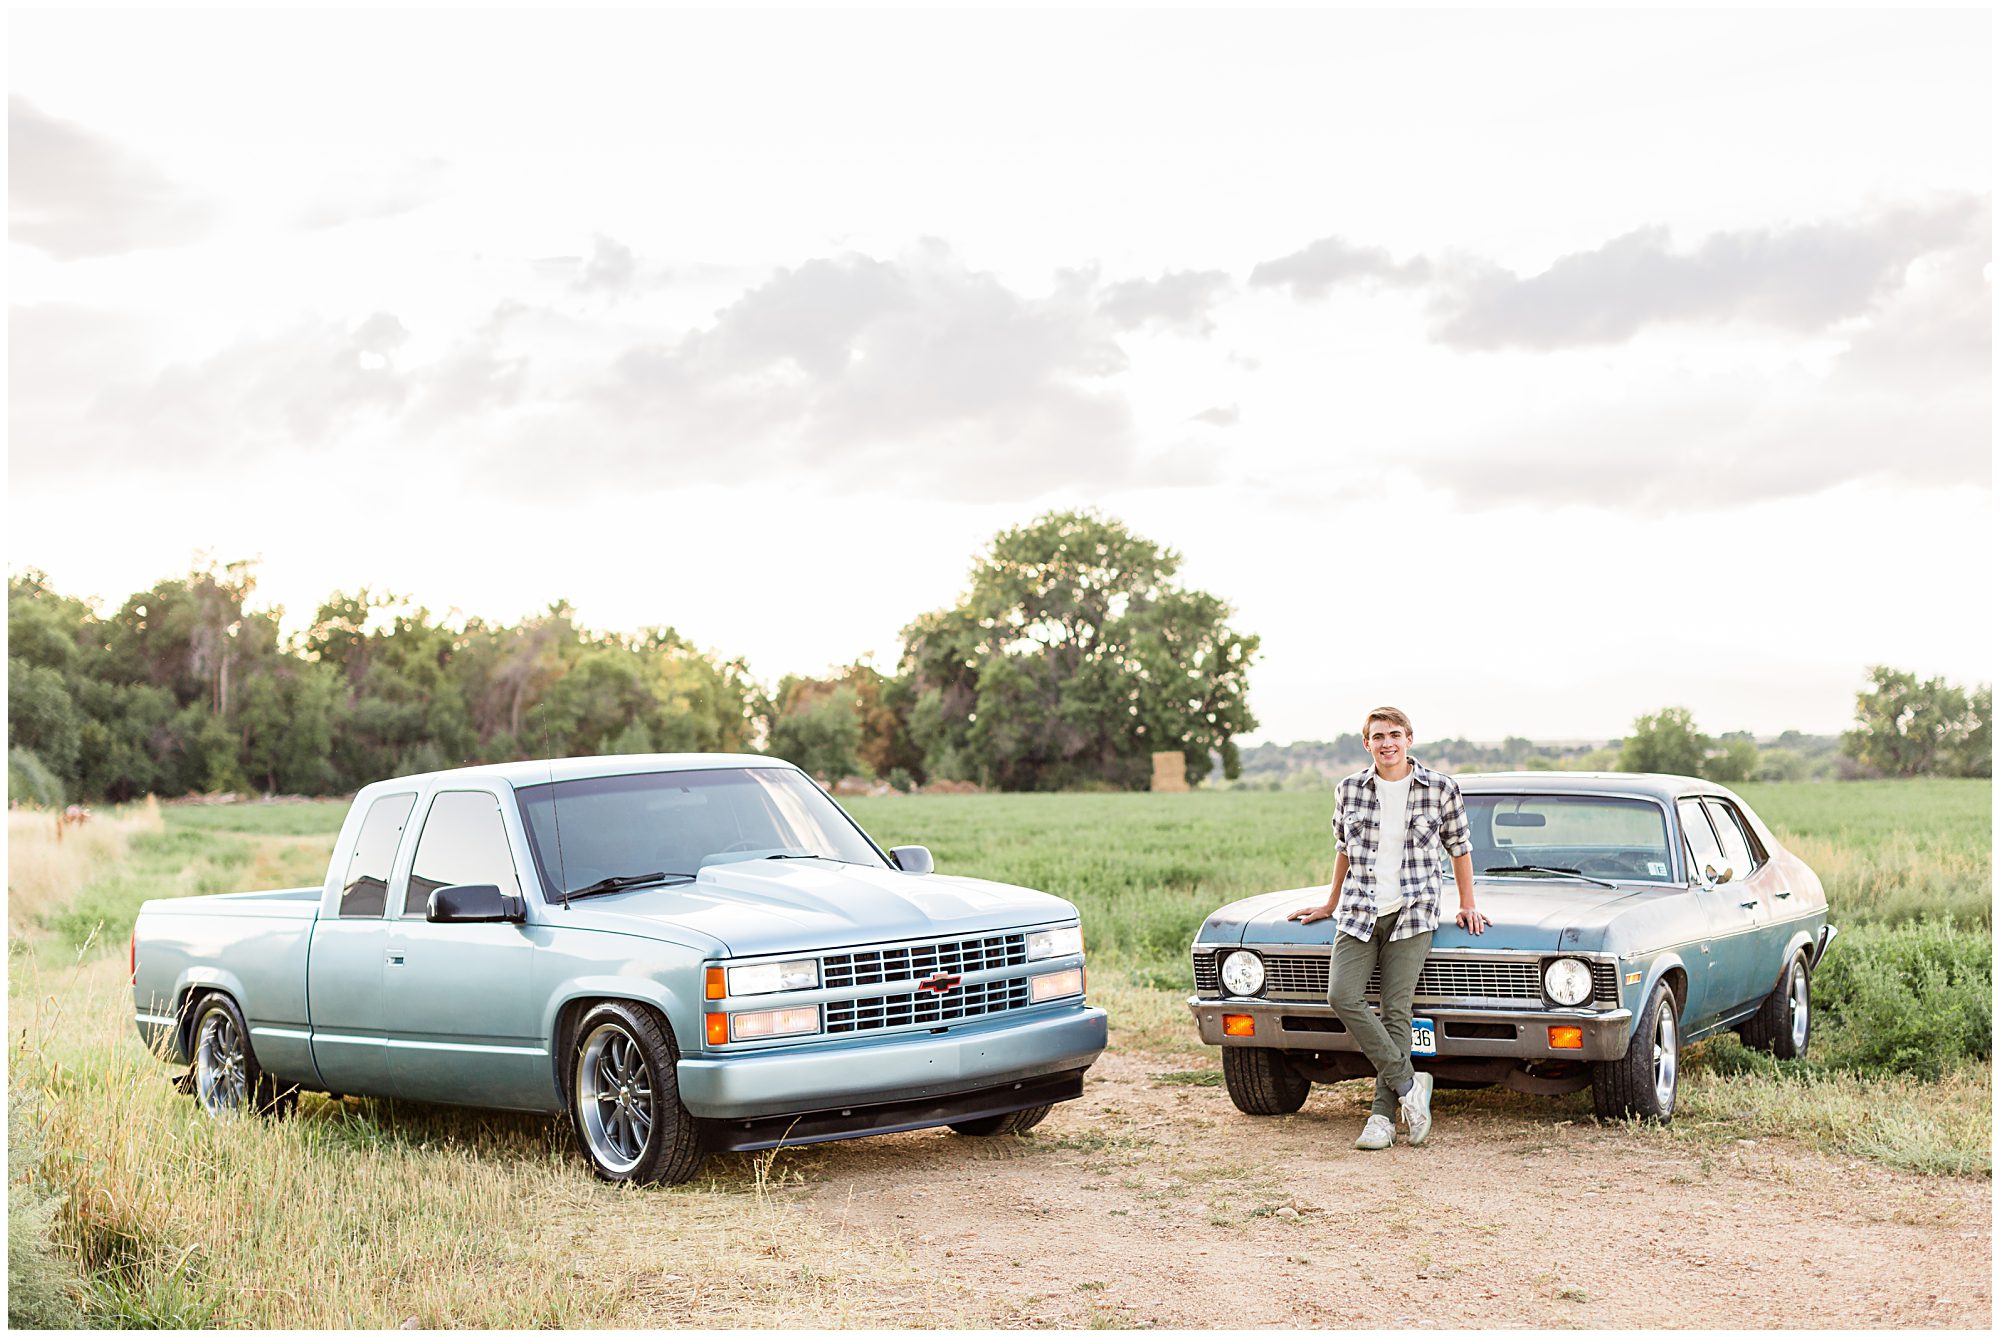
(74, 194)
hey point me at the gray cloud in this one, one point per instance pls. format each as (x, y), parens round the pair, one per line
(841, 373)
(1315, 271)
(1179, 301)
(611, 268)
(1802, 278)
(74, 194)
(851, 368)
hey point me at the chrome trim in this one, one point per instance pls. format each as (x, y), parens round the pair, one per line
(282, 1033)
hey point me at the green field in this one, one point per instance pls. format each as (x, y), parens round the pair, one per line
(157, 1218)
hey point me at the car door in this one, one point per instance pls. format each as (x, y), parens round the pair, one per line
(344, 966)
(1759, 876)
(1735, 918)
(460, 1011)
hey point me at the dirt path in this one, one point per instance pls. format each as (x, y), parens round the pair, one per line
(1157, 1204)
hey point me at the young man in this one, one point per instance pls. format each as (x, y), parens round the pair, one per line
(1389, 822)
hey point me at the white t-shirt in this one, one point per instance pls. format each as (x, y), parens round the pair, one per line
(1394, 796)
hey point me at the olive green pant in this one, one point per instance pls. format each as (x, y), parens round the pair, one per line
(1385, 1040)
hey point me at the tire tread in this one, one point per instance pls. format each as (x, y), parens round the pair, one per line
(1261, 1081)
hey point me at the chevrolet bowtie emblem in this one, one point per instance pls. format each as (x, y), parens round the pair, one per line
(939, 983)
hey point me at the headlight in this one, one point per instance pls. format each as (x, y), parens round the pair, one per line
(1055, 985)
(1046, 943)
(1568, 981)
(1243, 973)
(777, 1022)
(770, 977)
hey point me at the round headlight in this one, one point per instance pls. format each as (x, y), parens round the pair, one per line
(1568, 981)
(1243, 973)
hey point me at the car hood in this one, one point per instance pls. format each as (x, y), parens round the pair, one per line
(755, 907)
(1532, 916)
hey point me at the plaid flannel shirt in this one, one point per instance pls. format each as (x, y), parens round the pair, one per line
(1436, 818)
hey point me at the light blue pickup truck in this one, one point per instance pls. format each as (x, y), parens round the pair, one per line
(680, 953)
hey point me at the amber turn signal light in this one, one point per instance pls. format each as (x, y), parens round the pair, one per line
(1238, 1024)
(716, 987)
(1565, 1038)
(718, 1028)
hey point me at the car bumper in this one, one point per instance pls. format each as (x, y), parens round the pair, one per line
(1461, 1032)
(892, 1070)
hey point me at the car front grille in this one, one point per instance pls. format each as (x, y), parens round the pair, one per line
(926, 1007)
(1299, 976)
(915, 961)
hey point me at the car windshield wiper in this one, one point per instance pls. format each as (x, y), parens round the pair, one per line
(622, 882)
(1551, 868)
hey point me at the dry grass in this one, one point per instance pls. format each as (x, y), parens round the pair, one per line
(46, 865)
(364, 1215)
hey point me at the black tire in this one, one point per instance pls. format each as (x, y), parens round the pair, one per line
(1646, 1081)
(1782, 1025)
(1013, 1122)
(624, 1100)
(1263, 1082)
(224, 1076)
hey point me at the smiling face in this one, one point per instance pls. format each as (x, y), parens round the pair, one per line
(1388, 742)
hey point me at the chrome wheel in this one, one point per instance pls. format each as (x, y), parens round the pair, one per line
(1801, 1007)
(614, 1097)
(1666, 1060)
(221, 1082)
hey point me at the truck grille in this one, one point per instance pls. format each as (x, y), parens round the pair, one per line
(918, 1007)
(1300, 976)
(915, 961)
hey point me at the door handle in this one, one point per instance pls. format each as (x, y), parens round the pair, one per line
(1746, 905)
(1781, 895)
(395, 957)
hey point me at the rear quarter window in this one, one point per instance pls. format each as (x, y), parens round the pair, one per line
(364, 893)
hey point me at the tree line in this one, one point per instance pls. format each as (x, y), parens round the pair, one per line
(1073, 655)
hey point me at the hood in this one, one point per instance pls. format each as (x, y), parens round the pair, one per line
(811, 906)
(1526, 915)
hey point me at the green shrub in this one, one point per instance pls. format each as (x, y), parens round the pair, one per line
(29, 780)
(42, 1286)
(1912, 998)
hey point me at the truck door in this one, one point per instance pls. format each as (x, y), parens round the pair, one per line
(344, 967)
(461, 1018)
(1735, 915)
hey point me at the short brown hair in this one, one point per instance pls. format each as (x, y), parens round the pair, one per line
(1393, 716)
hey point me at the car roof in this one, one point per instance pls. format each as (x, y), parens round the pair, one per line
(540, 771)
(1585, 782)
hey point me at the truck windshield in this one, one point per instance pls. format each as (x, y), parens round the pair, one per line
(583, 831)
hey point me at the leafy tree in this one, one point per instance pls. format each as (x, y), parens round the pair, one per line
(1904, 727)
(821, 732)
(1073, 657)
(1666, 742)
(1736, 761)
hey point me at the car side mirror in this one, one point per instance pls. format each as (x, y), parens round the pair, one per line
(474, 903)
(912, 859)
(1719, 877)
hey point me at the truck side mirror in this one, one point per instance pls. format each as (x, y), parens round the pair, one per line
(474, 903)
(912, 859)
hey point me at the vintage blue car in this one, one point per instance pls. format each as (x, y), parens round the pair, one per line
(1632, 914)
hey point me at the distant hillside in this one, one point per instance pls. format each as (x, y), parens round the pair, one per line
(1310, 764)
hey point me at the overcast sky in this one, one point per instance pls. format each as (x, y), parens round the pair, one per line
(1528, 372)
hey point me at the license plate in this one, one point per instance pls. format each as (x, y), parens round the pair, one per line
(1423, 1037)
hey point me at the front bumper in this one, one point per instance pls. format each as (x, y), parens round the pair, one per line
(892, 1069)
(1461, 1032)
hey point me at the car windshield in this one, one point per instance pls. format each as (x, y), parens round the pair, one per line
(675, 822)
(1598, 836)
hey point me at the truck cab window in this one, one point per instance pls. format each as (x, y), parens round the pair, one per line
(365, 892)
(463, 841)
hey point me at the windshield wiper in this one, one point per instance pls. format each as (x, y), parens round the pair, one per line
(1551, 868)
(621, 882)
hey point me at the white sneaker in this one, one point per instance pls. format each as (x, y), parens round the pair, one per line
(1415, 1106)
(1377, 1134)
